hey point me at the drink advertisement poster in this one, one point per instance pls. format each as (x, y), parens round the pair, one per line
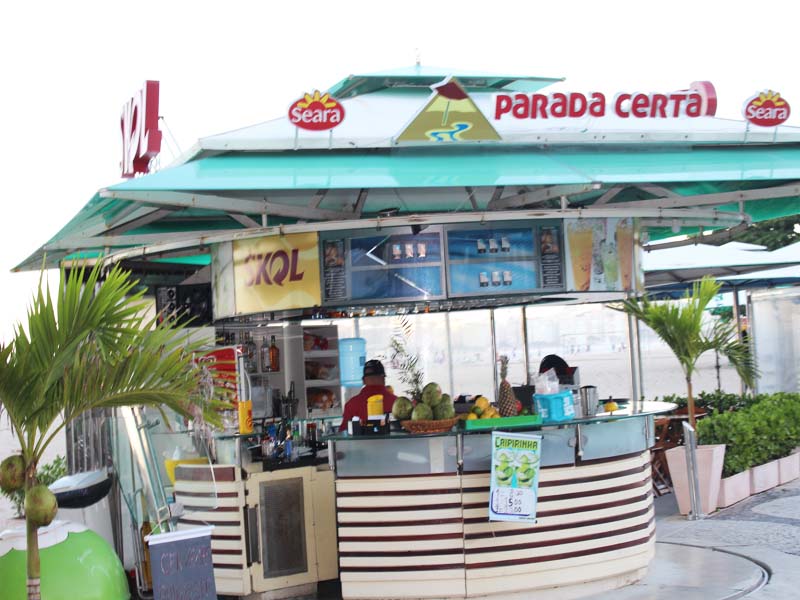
(491, 261)
(514, 486)
(277, 272)
(601, 255)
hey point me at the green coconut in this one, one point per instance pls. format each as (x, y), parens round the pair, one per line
(402, 408)
(41, 505)
(12, 474)
(432, 394)
(444, 410)
(422, 412)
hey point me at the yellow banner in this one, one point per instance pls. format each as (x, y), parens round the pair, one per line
(276, 273)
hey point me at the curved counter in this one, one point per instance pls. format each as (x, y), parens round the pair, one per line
(412, 513)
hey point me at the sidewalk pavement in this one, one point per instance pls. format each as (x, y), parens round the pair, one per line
(751, 549)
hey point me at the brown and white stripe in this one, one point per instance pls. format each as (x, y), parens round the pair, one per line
(430, 536)
(218, 501)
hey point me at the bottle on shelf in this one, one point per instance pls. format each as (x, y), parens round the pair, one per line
(266, 365)
(249, 349)
(145, 530)
(274, 355)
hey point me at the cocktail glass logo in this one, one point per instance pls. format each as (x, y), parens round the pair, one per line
(316, 112)
(767, 109)
(273, 268)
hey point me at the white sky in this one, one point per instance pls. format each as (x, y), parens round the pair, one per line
(68, 67)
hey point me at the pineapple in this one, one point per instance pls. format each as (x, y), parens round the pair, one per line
(506, 400)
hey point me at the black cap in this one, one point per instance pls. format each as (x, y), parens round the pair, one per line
(374, 367)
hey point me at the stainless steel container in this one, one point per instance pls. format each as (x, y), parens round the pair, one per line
(588, 400)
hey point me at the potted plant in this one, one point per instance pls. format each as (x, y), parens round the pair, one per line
(723, 428)
(681, 326)
(89, 347)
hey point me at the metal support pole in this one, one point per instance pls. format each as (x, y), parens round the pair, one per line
(494, 351)
(449, 353)
(690, 440)
(633, 345)
(525, 345)
(738, 318)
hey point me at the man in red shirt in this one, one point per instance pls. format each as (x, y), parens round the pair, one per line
(374, 384)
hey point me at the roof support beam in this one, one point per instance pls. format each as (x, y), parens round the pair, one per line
(781, 191)
(244, 220)
(541, 195)
(471, 195)
(358, 207)
(144, 239)
(317, 199)
(608, 195)
(716, 238)
(657, 190)
(153, 216)
(227, 204)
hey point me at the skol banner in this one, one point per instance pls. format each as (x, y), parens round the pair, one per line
(276, 273)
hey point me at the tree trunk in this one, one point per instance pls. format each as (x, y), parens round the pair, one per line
(690, 400)
(34, 588)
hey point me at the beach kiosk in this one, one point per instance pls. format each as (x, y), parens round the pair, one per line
(419, 191)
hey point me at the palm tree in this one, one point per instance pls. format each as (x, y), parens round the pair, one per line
(681, 326)
(89, 348)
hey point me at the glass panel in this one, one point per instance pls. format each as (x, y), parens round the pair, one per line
(283, 527)
(776, 330)
(592, 337)
(473, 363)
(404, 456)
(615, 438)
(557, 449)
(509, 342)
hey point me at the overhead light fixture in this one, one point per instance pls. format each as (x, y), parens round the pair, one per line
(676, 226)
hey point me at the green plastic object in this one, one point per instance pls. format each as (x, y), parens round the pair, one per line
(82, 567)
(503, 422)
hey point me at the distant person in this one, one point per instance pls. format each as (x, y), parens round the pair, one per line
(374, 384)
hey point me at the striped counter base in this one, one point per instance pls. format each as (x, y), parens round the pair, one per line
(430, 537)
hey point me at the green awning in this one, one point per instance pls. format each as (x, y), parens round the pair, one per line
(473, 166)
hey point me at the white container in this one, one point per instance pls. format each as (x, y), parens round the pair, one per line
(734, 489)
(709, 467)
(764, 477)
(788, 468)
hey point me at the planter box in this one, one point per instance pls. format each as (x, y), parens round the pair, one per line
(788, 468)
(709, 466)
(764, 477)
(734, 489)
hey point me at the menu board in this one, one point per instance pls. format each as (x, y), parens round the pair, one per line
(491, 261)
(551, 257)
(396, 266)
(514, 486)
(182, 565)
(600, 254)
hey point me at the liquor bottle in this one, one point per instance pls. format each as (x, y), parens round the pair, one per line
(145, 530)
(266, 366)
(274, 355)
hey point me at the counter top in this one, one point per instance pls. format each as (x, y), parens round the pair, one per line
(647, 408)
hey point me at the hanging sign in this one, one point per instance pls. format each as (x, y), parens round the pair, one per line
(514, 486)
(767, 109)
(316, 112)
(141, 139)
(602, 255)
(698, 101)
(182, 564)
(277, 272)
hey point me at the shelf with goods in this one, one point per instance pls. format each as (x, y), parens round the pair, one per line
(322, 388)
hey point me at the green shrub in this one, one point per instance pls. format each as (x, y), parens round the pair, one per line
(762, 431)
(47, 474)
(715, 401)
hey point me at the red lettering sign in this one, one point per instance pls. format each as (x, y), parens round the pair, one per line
(141, 139)
(316, 112)
(767, 109)
(700, 100)
(273, 268)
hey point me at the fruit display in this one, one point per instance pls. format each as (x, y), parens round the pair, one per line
(402, 408)
(507, 402)
(610, 406)
(434, 412)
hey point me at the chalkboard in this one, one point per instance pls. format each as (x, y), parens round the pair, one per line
(182, 565)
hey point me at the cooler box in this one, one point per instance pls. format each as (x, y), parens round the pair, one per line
(554, 408)
(352, 356)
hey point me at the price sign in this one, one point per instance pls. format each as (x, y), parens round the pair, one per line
(515, 476)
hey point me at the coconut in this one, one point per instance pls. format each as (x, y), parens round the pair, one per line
(41, 505)
(444, 410)
(432, 394)
(402, 408)
(422, 412)
(12, 474)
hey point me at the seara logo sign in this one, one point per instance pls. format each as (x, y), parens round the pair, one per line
(141, 139)
(767, 109)
(316, 112)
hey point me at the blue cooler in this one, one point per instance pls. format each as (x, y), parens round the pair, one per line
(554, 408)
